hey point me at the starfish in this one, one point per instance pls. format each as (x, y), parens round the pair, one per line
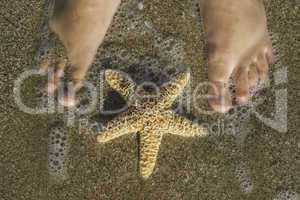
(149, 116)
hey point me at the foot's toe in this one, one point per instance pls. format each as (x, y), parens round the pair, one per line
(54, 81)
(68, 101)
(51, 87)
(219, 97)
(55, 74)
(253, 77)
(44, 65)
(270, 54)
(218, 105)
(248, 78)
(242, 85)
(68, 98)
(262, 66)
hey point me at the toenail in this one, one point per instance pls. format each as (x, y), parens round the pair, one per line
(67, 101)
(242, 100)
(51, 88)
(60, 73)
(225, 109)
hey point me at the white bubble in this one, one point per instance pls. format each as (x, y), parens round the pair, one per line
(140, 5)
(242, 173)
(287, 195)
(57, 152)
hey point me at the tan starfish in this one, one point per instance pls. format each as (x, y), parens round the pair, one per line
(150, 117)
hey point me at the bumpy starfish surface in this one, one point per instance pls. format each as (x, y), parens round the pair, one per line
(150, 117)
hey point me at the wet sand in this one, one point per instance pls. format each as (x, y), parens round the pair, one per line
(250, 161)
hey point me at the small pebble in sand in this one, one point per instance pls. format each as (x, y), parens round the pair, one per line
(140, 5)
(287, 195)
(148, 25)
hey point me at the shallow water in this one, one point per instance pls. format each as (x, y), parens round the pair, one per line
(243, 158)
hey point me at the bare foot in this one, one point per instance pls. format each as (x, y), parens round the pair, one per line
(81, 26)
(238, 46)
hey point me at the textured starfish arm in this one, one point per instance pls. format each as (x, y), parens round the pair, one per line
(173, 89)
(181, 126)
(120, 82)
(118, 127)
(149, 146)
